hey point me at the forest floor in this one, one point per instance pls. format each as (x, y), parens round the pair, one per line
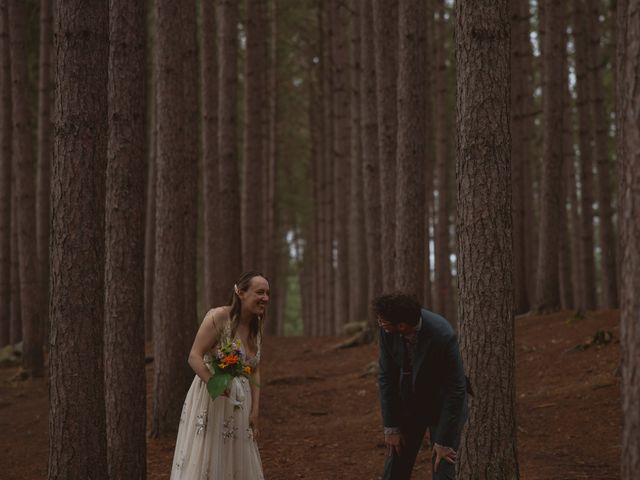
(320, 417)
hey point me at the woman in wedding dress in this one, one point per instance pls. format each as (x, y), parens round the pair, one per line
(217, 438)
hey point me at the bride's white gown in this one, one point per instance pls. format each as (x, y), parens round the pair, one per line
(215, 441)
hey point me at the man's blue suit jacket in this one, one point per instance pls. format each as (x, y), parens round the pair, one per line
(434, 391)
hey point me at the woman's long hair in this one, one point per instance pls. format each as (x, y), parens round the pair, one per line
(255, 326)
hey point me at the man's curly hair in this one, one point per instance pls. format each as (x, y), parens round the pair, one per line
(397, 307)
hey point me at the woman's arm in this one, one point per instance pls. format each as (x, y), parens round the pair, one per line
(207, 336)
(255, 401)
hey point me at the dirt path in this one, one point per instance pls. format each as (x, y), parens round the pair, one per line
(320, 415)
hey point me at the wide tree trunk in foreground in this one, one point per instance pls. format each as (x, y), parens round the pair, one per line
(410, 230)
(78, 447)
(30, 284)
(547, 282)
(628, 118)
(125, 381)
(488, 448)
(172, 332)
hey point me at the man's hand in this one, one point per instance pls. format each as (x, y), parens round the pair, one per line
(394, 443)
(446, 453)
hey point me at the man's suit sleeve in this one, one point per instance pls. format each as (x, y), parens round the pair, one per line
(388, 383)
(454, 395)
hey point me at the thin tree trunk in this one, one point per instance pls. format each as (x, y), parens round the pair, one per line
(341, 172)
(125, 381)
(253, 228)
(583, 104)
(628, 153)
(191, 152)
(441, 299)
(547, 285)
(150, 217)
(358, 274)
(385, 19)
(214, 292)
(15, 334)
(370, 155)
(5, 177)
(429, 161)
(76, 371)
(410, 229)
(45, 151)
(521, 93)
(229, 178)
(30, 284)
(171, 331)
(488, 448)
(601, 124)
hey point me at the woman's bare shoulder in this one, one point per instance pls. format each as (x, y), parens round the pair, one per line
(217, 316)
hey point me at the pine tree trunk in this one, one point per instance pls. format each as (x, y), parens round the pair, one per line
(341, 172)
(485, 264)
(171, 331)
(191, 151)
(30, 285)
(358, 273)
(125, 380)
(229, 177)
(253, 228)
(583, 104)
(370, 155)
(150, 214)
(45, 151)
(547, 285)
(15, 334)
(521, 94)
(385, 18)
(604, 165)
(410, 229)
(213, 294)
(628, 143)
(430, 156)
(327, 167)
(76, 371)
(5, 177)
(442, 295)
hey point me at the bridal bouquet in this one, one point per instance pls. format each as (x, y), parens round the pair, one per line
(227, 364)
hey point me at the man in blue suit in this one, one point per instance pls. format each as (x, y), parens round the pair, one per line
(422, 386)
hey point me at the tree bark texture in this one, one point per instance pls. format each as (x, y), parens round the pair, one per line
(385, 19)
(125, 380)
(191, 151)
(76, 372)
(6, 125)
(253, 227)
(214, 291)
(15, 334)
(150, 215)
(547, 284)
(30, 284)
(583, 106)
(229, 177)
(341, 171)
(358, 268)
(628, 153)
(172, 332)
(45, 151)
(604, 165)
(370, 154)
(442, 297)
(488, 448)
(410, 229)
